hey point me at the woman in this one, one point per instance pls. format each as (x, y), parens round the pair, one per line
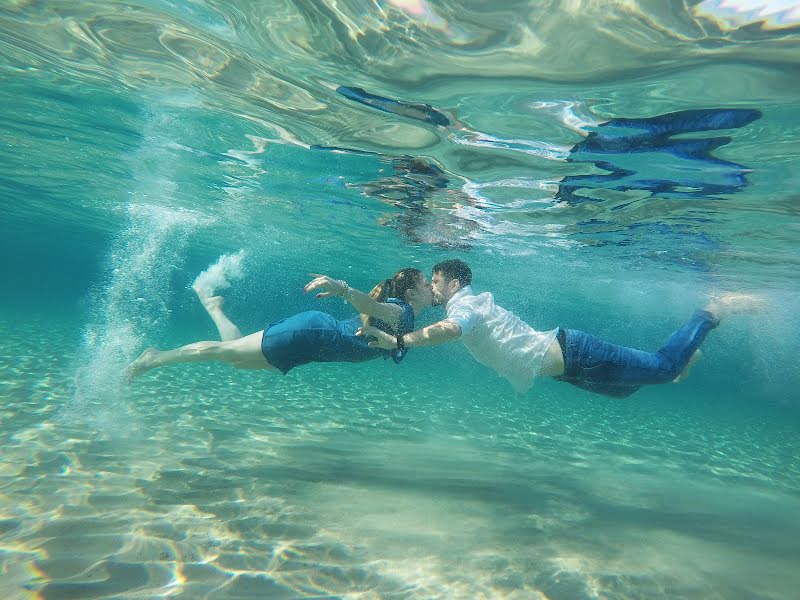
(311, 336)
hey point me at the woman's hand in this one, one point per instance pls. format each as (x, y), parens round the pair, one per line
(333, 287)
(382, 339)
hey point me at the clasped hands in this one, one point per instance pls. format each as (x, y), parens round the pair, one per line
(381, 338)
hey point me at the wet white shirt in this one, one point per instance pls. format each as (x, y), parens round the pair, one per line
(498, 338)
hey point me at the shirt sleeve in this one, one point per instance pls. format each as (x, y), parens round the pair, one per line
(464, 315)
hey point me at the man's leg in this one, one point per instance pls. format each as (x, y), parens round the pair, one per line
(612, 370)
(605, 368)
(213, 305)
(243, 353)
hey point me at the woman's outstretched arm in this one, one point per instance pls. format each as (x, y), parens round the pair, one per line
(364, 303)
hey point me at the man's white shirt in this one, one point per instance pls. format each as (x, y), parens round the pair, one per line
(498, 338)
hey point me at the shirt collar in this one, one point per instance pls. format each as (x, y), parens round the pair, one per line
(465, 291)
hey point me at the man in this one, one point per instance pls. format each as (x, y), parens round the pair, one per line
(499, 339)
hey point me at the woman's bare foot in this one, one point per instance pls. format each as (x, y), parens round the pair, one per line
(687, 369)
(724, 305)
(145, 362)
(208, 301)
(213, 305)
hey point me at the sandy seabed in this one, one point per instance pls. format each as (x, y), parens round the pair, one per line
(204, 482)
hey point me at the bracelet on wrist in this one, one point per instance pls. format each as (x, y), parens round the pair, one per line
(400, 343)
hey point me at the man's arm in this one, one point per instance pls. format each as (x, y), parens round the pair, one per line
(363, 303)
(432, 335)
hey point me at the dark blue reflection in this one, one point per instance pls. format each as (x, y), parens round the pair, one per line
(643, 154)
(420, 112)
(647, 155)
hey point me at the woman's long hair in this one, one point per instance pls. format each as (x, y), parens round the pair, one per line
(396, 286)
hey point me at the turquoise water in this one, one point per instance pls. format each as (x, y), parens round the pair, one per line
(142, 141)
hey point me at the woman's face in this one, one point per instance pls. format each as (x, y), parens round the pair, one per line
(424, 291)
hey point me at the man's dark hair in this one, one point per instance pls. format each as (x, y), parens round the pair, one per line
(455, 268)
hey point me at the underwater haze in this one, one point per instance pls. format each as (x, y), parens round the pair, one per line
(602, 165)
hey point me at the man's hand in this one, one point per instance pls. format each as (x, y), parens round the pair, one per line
(333, 287)
(382, 339)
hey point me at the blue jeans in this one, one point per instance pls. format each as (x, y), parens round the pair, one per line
(604, 368)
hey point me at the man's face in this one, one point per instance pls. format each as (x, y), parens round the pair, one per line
(442, 289)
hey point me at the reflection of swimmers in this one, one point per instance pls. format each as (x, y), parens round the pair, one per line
(641, 157)
(410, 187)
(499, 339)
(427, 114)
(420, 112)
(413, 181)
(306, 337)
(636, 154)
(643, 154)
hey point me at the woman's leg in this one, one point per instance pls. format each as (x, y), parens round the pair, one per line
(242, 353)
(213, 305)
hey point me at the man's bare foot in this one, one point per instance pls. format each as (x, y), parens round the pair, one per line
(144, 363)
(723, 305)
(687, 369)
